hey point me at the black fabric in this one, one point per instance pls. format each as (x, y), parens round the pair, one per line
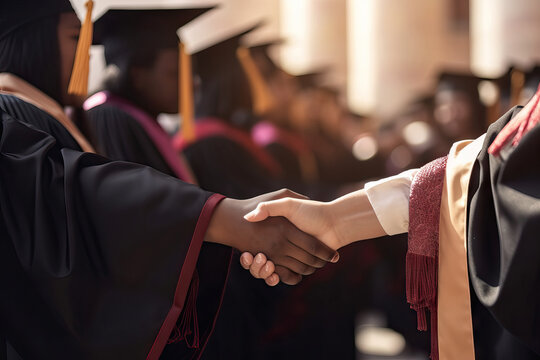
(90, 250)
(221, 164)
(287, 159)
(249, 305)
(119, 136)
(15, 13)
(126, 37)
(503, 248)
(32, 53)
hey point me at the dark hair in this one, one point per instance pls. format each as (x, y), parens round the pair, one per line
(226, 94)
(125, 58)
(32, 53)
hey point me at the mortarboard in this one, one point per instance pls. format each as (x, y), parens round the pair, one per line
(17, 13)
(224, 58)
(129, 33)
(261, 55)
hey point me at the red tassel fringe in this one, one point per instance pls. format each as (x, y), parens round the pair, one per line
(189, 318)
(421, 287)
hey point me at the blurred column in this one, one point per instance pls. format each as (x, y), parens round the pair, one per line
(316, 37)
(504, 33)
(396, 48)
(362, 24)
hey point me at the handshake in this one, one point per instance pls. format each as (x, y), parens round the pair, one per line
(291, 235)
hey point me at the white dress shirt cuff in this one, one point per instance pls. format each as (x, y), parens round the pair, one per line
(389, 198)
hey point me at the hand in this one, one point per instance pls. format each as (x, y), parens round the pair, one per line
(337, 223)
(293, 252)
(260, 268)
(312, 217)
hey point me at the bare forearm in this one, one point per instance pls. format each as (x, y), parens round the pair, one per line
(353, 218)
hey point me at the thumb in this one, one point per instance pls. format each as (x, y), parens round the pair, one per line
(281, 207)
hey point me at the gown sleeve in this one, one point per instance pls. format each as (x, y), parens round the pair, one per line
(98, 256)
(503, 234)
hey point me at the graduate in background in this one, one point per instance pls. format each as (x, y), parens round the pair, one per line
(142, 53)
(221, 152)
(473, 217)
(459, 111)
(103, 260)
(274, 132)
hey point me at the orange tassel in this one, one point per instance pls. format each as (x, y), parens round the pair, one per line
(78, 84)
(185, 101)
(262, 98)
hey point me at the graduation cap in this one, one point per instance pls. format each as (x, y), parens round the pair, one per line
(130, 34)
(261, 56)
(126, 33)
(313, 78)
(222, 51)
(17, 13)
(458, 81)
(223, 66)
(14, 14)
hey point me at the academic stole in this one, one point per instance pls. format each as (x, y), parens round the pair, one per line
(437, 272)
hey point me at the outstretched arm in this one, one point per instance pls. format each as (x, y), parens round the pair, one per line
(294, 253)
(337, 223)
(378, 209)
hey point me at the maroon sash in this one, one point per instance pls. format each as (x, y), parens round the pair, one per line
(423, 245)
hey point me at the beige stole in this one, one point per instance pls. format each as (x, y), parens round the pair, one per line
(455, 332)
(13, 85)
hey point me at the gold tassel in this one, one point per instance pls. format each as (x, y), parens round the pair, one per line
(262, 98)
(185, 101)
(78, 84)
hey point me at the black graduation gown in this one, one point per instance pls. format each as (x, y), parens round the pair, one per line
(504, 248)
(97, 256)
(120, 137)
(254, 322)
(287, 159)
(222, 164)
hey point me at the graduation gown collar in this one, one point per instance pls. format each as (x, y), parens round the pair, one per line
(13, 85)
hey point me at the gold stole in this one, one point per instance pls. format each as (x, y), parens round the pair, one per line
(455, 332)
(13, 85)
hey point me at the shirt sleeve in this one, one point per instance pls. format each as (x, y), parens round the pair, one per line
(389, 198)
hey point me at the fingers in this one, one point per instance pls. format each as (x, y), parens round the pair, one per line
(312, 246)
(287, 276)
(266, 272)
(305, 257)
(257, 265)
(282, 207)
(272, 280)
(296, 266)
(246, 259)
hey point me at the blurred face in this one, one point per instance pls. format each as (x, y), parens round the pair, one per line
(453, 113)
(69, 27)
(157, 85)
(283, 87)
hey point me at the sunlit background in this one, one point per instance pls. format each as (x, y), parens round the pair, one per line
(384, 58)
(382, 52)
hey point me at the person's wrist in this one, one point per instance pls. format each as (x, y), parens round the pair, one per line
(333, 239)
(223, 219)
